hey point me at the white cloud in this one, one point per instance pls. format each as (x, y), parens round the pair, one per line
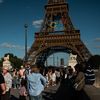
(97, 39)
(37, 23)
(1, 1)
(9, 45)
(97, 47)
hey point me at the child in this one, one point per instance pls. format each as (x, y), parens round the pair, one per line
(22, 91)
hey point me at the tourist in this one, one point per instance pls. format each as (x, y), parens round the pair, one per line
(80, 83)
(2, 87)
(8, 81)
(21, 72)
(27, 69)
(53, 77)
(66, 90)
(36, 83)
(89, 73)
(22, 91)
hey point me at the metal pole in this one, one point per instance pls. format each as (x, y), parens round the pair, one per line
(53, 59)
(57, 62)
(25, 26)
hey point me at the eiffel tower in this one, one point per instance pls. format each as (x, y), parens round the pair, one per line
(57, 34)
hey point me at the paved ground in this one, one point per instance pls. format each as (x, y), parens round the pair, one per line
(92, 92)
(47, 94)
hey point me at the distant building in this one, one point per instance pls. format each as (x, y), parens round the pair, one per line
(62, 62)
(72, 60)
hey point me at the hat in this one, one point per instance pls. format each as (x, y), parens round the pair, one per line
(6, 67)
(22, 66)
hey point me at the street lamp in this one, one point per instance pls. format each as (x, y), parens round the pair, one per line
(25, 26)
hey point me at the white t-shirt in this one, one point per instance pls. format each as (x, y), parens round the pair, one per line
(53, 77)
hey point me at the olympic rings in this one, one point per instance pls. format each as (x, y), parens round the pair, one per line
(53, 24)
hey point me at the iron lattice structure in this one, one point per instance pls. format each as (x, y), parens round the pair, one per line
(57, 34)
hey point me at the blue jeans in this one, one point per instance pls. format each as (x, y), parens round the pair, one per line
(39, 97)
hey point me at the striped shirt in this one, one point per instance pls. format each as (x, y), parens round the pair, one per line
(89, 76)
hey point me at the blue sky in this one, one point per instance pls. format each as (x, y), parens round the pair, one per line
(85, 15)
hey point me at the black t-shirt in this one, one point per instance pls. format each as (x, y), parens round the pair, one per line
(1, 81)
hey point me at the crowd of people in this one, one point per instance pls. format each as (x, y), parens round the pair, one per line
(31, 81)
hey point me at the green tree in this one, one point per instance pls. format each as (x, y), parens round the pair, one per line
(95, 61)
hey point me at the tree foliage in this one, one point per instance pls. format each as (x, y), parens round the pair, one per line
(95, 61)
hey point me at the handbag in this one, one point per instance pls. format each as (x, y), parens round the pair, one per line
(80, 85)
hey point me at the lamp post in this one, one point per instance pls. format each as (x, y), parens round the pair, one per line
(25, 26)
